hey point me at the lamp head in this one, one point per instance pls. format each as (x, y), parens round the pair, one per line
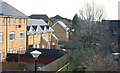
(35, 54)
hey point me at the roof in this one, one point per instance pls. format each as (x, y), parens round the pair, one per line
(62, 25)
(8, 10)
(31, 30)
(114, 23)
(39, 26)
(54, 36)
(35, 27)
(40, 16)
(36, 22)
(45, 39)
(57, 17)
(39, 29)
(50, 29)
(28, 28)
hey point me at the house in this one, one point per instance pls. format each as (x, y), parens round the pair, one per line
(113, 32)
(66, 21)
(12, 30)
(40, 34)
(61, 31)
(40, 16)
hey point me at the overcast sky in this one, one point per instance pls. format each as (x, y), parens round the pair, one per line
(65, 8)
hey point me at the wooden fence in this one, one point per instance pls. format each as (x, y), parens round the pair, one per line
(57, 64)
(53, 66)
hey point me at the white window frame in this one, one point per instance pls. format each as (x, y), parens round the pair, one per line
(22, 36)
(1, 34)
(20, 20)
(13, 36)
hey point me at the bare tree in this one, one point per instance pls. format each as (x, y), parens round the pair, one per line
(92, 12)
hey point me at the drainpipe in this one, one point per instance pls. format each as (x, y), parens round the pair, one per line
(6, 37)
(33, 41)
(41, 40)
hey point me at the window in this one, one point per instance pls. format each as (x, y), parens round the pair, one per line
(21, 35)
(1, 37)
(20, 20)
(12, 36)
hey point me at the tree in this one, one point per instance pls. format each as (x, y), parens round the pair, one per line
(92, 12)
(75, 21)
(91, 40)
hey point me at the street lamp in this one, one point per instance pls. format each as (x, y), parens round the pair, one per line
(35, 55)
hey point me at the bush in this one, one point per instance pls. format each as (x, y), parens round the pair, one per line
(21, 65)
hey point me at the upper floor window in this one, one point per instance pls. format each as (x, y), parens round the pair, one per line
(21, 35)
(20, 20)
(12, 36)
(1, 37)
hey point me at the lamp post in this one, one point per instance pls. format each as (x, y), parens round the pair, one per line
(116, 57)
(35, 55)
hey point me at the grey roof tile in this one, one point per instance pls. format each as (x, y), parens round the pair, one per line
(36, 22)
(40, 16)
(8, 10)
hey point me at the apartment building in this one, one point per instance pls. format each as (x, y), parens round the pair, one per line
(12, 30)
(40, 34)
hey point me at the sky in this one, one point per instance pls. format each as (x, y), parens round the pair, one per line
(64, 8)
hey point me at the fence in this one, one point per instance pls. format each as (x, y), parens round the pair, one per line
(57, 64)
(53, 66)
(9, 66)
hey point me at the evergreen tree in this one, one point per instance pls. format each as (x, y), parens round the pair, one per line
(75, 21)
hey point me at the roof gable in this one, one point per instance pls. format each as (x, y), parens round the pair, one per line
(28, 28)
(35, 27)
(62, 25)
(32, 30)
